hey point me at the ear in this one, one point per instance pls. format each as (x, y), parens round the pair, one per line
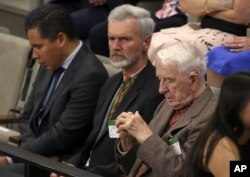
(62, 38)
(194, 80)
(146, 43)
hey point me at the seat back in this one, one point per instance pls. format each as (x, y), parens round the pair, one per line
(13, 59)
(4, 29)
(107, 64)
(27, 85)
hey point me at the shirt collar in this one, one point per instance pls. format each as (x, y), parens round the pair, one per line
(69, 59)
(133, 76)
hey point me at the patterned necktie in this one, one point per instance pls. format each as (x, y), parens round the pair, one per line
(174, 118)
(119, 95)
(39, 115)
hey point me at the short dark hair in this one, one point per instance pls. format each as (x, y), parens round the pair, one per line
(51, 20)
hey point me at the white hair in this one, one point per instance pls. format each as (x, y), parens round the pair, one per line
(187, 57)
(125, 11)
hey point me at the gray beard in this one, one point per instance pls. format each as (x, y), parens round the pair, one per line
(125, 63)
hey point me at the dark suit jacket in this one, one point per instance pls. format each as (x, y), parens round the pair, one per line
(94, 15)
(161, 159)
(114, 3)
(142, 96)
(69, 113)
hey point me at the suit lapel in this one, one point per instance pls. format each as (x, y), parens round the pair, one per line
(160, 121)
(100, 119)
(194, 110)
(42, 90)
(158, 125)
(67, 77)
(134, 90)
(112, 89)
(161, 118)
(131, 95)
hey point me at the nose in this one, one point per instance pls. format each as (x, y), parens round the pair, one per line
(34, 54)
(163, 88)
(115, 44)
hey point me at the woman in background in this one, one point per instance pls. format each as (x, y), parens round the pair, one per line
(219, 21)
(226, 137)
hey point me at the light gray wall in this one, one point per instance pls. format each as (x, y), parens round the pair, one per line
(13, 12)
(14, 22)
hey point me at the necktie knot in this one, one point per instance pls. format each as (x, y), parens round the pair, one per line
(57, 74)
(59, 70)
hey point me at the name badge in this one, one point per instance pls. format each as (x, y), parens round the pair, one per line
(112, 129)
(174, 145)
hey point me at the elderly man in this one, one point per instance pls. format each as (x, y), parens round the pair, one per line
(159, 149)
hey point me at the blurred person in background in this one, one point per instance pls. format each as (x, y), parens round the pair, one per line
(169, 15)
(226, 136)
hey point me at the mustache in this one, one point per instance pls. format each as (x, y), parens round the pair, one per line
(116, 54)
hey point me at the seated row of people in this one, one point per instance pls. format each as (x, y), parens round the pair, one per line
(68, 116)
(78, 110)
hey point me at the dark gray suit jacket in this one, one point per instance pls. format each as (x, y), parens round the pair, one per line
(69, 113)
(155, 152)
(142, 96)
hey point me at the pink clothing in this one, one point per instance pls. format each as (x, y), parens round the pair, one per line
(169, 8)
(205, 39)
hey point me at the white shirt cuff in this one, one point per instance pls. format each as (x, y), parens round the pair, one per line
(119, 149)
(10, 161)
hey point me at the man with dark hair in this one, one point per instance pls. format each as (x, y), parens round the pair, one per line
(57, 117)
(49, 21)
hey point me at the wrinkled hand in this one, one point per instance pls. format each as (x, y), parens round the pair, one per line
(133, 124)
(237, 44)
(3, 161)
(97, 2)
(127, 141)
